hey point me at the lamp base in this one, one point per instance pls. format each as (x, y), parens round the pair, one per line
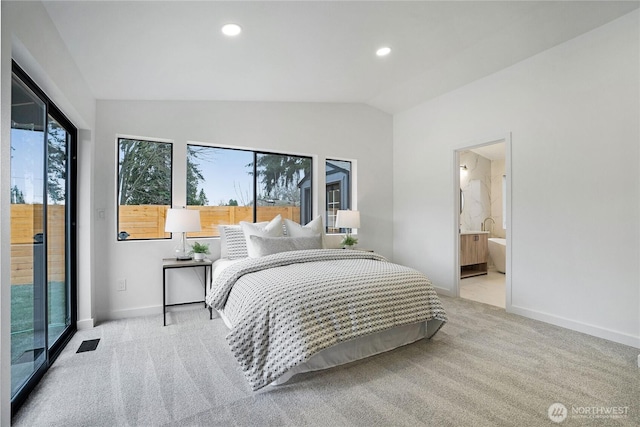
(182, 254)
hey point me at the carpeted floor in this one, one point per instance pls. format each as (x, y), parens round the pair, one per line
(484, 368)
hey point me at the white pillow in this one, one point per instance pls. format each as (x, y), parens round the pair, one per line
(232, 242)
(311, 229)
(271, 229)
(263, 246)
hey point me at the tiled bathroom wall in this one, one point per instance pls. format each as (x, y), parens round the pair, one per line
(481, 184)
(475, 183)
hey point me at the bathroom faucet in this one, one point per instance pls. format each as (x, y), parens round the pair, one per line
(483, 226)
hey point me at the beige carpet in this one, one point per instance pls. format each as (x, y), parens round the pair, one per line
(484, 368)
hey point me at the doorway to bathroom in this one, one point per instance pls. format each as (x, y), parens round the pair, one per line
(482, 180)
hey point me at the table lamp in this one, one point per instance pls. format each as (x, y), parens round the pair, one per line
(348, 220)
(182, 221)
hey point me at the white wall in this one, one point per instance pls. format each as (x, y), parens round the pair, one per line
(349, 131)
(45, 58)
(574, 115)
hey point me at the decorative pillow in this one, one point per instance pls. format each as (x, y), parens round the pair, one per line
(311, 229)
(233, 245)
(271, 229)
(263, 246)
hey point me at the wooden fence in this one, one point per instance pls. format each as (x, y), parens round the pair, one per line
(26, 222)
(147, 222)
(140, 221)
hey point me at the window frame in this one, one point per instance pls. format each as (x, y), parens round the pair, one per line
(255, 153)
(349, 189)
(117, 181)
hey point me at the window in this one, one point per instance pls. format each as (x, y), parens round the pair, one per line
(338, 186)
(333, 205)
(231, 185)
(220, 185)
(283, 182)
(144, 188)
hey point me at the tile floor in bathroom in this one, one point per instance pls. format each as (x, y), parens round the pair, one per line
(488, 289)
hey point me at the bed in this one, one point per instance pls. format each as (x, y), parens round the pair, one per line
(304, 309)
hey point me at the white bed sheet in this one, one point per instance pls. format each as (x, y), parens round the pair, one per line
(219, 265)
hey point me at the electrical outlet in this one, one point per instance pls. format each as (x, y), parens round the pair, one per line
(121, 285)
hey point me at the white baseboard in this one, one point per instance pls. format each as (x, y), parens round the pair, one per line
(132, 312)
(444, 291)
(585, 328)
(85, 324)
(147, 311)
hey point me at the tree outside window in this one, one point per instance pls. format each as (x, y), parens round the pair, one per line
(231, 185)
(144, 188)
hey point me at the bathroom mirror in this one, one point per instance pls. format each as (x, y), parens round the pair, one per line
(461, 201)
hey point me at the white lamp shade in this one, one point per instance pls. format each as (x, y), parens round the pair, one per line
(182, 220)
(348, 219)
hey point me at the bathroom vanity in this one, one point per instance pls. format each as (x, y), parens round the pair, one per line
(474, 253)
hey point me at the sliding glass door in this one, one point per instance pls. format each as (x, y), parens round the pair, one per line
(28, 121)
(58, 287)
(42, 233)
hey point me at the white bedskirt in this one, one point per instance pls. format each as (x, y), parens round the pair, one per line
(358, 348)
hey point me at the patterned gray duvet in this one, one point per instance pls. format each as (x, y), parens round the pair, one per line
(284, 308)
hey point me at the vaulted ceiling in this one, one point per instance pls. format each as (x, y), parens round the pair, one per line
(311, 51)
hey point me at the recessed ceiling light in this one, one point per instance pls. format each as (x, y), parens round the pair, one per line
(383, 51)
(231, 29)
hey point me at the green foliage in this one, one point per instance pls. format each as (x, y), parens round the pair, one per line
(349, 240)
(17, 196)
(22, 330)
(194, 177)
(202, 199)
(56, 162)
(232, 202)
(279, 175)
(200, 248)
(144, 177)
(56, 166)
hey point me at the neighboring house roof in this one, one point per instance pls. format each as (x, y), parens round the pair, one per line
(331, 169)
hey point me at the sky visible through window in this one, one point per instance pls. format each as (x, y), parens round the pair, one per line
(226, 176)
(226, 172)
(26, 164)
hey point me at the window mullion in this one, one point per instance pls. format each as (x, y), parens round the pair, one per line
(255, 186)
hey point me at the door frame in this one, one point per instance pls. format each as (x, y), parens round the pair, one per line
(506, 138)
(53, 351)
